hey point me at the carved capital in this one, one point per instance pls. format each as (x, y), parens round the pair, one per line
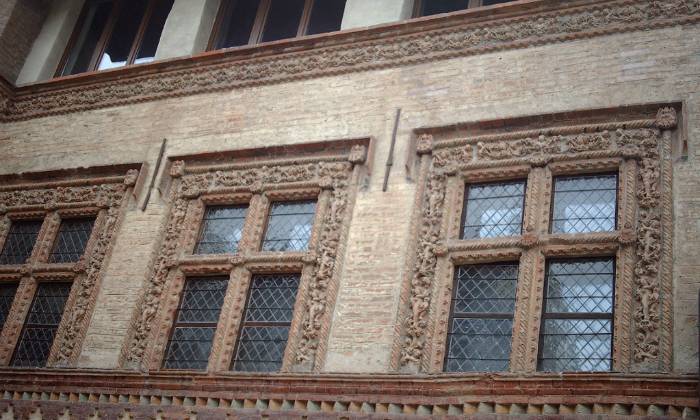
(177, 169)
(424, 144)
(3, 209)
(530, 240)
(131, 177)
(358, 154)
(628, 236)
(257, 187)
(326, 183)
(666, 118)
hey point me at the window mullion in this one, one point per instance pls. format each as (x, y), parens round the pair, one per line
(106, 34)
(305, 18)
(259, 25)
(139, 34)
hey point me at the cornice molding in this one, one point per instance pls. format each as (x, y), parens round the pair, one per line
(519, 25)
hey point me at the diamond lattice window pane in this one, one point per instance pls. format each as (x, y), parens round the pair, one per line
(581, 286)
(7, 295)
(289, 226)
(71, 240)
(493, 210)
(222, 229)
(20, 241)
(195, 323)
(571, 342)
(482, 318)
(268, 316)
(576, 345)
(41, 325)
(584, 204)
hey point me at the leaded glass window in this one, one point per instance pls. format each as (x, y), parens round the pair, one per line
(584, 204)
(266, 323)
(289, 226)
(71, 241)
(41, 324)
(7, 295)
(195, 323)
(481, 321)
(577, 324)
(20, 241)
(222, 229)
(493, 210)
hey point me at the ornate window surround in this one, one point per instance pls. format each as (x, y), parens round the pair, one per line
(635, 142)
(52, 196)
(328, 172)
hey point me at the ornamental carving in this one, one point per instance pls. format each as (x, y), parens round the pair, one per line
(358, 52)
(102, 198)
(258, 183)
(638, 149)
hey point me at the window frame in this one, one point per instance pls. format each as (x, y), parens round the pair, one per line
(106, 33)
(418, 7)
(583, 175)
(578, 315)
(465, 208)
(259, 23)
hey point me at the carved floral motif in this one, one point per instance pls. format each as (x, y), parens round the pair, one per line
(386, 49)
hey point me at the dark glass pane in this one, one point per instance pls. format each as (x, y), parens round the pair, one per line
(41, 325)
(154, 27)
(237, 24)
(195, 323)
(7, 295)
(289, 226)
(202, 300)
(96, 16)
(432, 7)
(123, 35)
(580, 286)
(20, 242)
(493, 210)
(189, 348)
(492, 2)
(326, 16)
(576, 345)
(222, 229)
(282, 19)
(72, 238)
(477, 340)
(479, 344)
(272, 298)
(584, 204)
(485, 288)
(268, 316)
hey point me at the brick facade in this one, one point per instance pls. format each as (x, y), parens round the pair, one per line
(20, 23)
(232, 105)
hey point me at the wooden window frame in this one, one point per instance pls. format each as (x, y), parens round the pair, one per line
(418, 6)
(259, 22)
(107, 32)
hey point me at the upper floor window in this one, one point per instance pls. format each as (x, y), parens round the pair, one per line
(248, 22)
(289, 226)
(433, 7)
(20, 241)
(222, 229)
(584, 204)
(493, 210)
(72, 238)
(115, 33)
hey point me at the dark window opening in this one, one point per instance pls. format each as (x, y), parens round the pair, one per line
(289, 226)
(244, 22)
(7, 295)
(20, 241)
(266, 322)
(493, 210)
(584, 204)
(434, 7)
(481, 318)
(72, 238)
(197, 315)
(222, 229)
(577, 321)
(42, 322)
(115, 33)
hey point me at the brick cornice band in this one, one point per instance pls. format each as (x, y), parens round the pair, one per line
(460, 34)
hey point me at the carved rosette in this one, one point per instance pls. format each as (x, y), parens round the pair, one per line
(576, 149)
(283, 179)
(100, 197)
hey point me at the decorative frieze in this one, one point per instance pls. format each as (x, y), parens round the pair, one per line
(329, 178)
(440, 38)
(631, 148)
